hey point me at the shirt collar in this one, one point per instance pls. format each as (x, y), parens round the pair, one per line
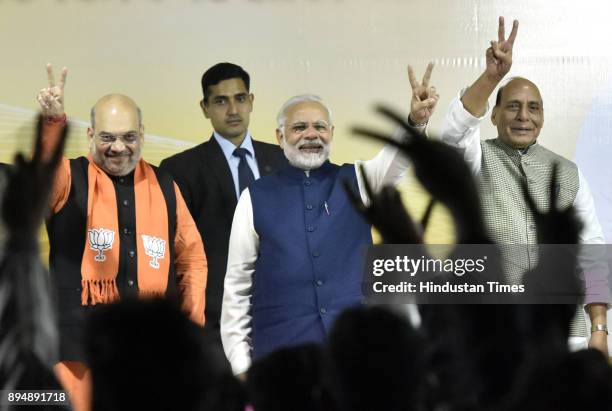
(228, 148)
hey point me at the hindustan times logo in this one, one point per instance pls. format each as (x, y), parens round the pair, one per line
(413, 266)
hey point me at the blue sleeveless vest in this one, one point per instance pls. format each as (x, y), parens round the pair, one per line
(312, 244)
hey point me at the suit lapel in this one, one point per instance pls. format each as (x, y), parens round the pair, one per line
(215, 161)
(264, 162)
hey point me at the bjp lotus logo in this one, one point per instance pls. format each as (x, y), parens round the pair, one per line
(155, 248)
(100, 240)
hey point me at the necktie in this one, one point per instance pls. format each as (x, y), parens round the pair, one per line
(245, 175)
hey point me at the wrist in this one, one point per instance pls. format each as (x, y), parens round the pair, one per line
(55, 118)
(413, 123)
(597, 328)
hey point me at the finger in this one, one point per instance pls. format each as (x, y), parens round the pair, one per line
(19, 160)
(62, 82)
(393, 116)
(425, 104)
(501, 55)
(528, 199)
(501, 30)
(427, 215)
(366, 183)
(427, 74)
(42, 102)
(495, 46)
(432, 93)
(514, 32)
(38, 140)
(354, 197)
(58, 151)
(50, 76)
(553, 187)
(413, 82)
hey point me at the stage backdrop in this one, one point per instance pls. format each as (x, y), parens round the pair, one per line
(352, 53)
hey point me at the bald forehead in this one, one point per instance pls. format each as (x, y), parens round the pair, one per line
(520, 87)
(118, 110)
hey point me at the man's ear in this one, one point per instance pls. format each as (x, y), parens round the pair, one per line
(204, 108)
(90, 134)
(279, 137)
(493, 115)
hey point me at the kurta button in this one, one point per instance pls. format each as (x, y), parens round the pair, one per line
(125, 203)
(310, 229)
(306, 183)
(319, 283)
(132, 253)
(126, 231)
(308, 206)
(323, 310)
(131, 283)
(121, 180)
(316, 254)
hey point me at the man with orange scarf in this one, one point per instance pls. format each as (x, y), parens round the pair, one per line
(118, 228)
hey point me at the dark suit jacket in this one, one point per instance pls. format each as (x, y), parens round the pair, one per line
(205, 180)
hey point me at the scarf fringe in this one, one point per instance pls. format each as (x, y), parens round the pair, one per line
(99, 292)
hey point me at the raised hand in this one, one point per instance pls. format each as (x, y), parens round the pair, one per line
(444, 173)
(387, 214)
(29, 184)
(555, 226)
(424, 97)
(51, 99)
(499, 55)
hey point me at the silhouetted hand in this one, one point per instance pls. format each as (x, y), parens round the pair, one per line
(29, 184)
(443, 172)
(554, 226)
(555, 277)
(386, 212)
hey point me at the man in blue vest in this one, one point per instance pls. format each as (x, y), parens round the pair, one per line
(297, 244)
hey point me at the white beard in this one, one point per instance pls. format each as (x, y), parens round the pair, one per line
(303, 160)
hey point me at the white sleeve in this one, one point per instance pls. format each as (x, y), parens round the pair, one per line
(593, 260)
(388, 167)
(585, 211)
(235, 317)
(461, 129)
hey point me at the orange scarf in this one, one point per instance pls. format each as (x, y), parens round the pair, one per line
(100, 261)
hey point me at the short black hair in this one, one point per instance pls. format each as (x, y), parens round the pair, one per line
(220, 72)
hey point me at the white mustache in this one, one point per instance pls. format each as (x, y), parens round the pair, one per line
(310, 144)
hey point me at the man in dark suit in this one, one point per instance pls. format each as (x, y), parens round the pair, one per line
(212, 175)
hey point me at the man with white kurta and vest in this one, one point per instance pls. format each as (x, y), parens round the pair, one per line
(297, 244)
(503, 164)
(119, 228)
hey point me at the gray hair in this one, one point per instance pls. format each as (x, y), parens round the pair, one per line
(282, 114)
(92, 114)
